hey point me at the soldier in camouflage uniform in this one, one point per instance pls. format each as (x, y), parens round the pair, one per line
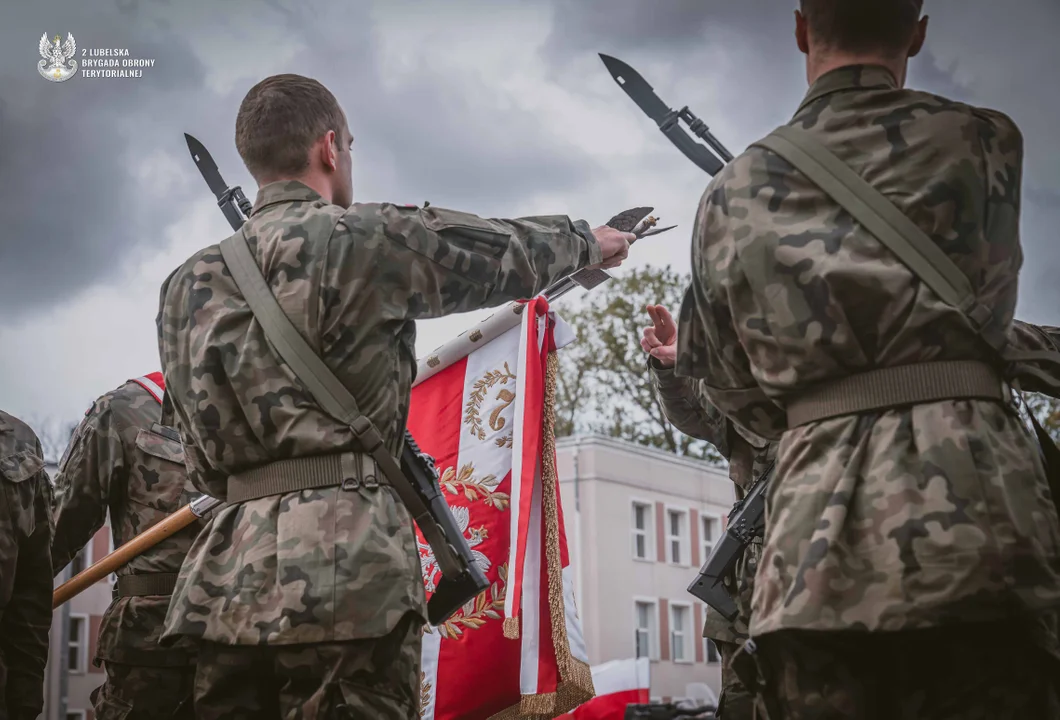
(688, 408)
(909, 551)
(310, 604)
(25, 571)
(126, 459)
(690, 411)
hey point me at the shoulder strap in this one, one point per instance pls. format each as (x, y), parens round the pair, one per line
(327, 389)
(884, 220)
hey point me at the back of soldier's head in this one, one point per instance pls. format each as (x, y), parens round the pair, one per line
(279, 120)
(860, 26)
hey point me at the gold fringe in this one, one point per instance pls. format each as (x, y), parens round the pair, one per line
(575, 677)
(511, 628)
(575, 684)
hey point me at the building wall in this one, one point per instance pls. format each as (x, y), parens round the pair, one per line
(600, 480)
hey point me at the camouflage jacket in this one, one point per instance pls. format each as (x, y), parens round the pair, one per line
(25, 569)
(124, 461)
(688, 408)
(326, 564)
(911, 517)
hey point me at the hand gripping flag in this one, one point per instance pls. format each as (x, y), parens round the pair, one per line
(483, 406)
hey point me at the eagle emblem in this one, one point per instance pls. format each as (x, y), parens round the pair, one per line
(429, 566)
(58, 63)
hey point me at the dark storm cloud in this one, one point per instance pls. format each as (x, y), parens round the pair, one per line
(72, 207)
(74, 210)
(69, 201)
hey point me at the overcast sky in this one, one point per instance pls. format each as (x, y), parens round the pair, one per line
(498, 108)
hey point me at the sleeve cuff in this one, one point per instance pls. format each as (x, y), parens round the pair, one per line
(665, 377)
(594, 252)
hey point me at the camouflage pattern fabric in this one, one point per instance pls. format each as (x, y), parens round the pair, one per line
(143, 692)
(376, 678)
(736, 701)
(25, 570)
(324, 565)
(983, 671)
(123, 460)
(688, 409)
(911, 517)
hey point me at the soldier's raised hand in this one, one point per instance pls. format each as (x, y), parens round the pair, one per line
(660, 340)
(614, 245)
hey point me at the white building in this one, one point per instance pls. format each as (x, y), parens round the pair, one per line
(640, 522)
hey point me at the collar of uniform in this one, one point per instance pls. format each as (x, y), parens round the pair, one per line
(283, 191)
(850, 77)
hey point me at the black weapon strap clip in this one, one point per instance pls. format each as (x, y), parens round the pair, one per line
(235, 193)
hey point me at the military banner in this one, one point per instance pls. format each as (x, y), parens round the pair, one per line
(483, 407)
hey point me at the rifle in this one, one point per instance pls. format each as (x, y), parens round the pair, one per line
(747, 520)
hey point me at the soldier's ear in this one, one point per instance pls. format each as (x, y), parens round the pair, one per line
(802, 36)
(329, 152)
(919, 36)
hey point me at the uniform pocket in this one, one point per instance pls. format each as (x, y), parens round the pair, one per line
(158, 478)
(108, 707)
(468, 232)
(20, 466)
(161, 445)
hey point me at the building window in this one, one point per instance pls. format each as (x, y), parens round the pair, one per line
(76, 715)
(642, 531)
(713, 656)
(677, 536)
(680, 632)
(77, 655)
(646, 633)
(711, 534)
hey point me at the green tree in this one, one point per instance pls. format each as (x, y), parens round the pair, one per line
(1047, 410)
(604, 386)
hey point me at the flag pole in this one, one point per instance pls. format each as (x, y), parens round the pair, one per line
(168, 526)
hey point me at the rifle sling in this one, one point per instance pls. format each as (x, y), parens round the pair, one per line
(903, 385)
(328, 391)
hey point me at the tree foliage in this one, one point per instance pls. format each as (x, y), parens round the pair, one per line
(54, 436)
(1047, 410)
(604, 386)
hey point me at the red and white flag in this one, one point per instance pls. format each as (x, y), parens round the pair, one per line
(483, 408)
(618, 683)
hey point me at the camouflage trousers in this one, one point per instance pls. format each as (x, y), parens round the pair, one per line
(736, 701)
(974, 671)
(373, 678)
(131, 692)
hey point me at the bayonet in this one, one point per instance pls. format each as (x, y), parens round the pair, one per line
(668, 120)
(232, 201)
(635, 220)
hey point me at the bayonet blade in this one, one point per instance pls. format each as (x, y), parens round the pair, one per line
(637, 88)
(644, 95)
(212, 176)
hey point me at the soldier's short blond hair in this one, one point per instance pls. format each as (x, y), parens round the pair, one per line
(863, 25)
(280, 119)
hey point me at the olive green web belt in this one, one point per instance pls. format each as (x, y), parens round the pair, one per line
(897, 386)
(147, 584)
(349, 470)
